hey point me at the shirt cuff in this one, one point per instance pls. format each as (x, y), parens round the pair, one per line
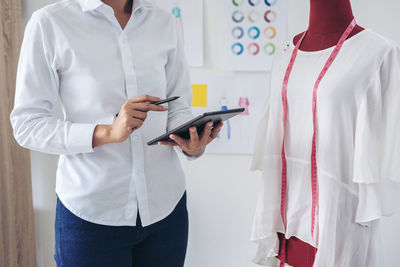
(80, 138)
(191, 158)
(188, 157)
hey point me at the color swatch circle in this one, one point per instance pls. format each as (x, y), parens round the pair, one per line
(237, 49)
(237, 32)
(253, 16)
(238, 16)
(269, 49)
(253, 49)
(237, 2)
(254, 33)
(270, 32)
(270, 16)
(270, 2)
(177, 12)
(254, 2)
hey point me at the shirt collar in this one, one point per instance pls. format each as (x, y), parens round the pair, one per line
(89, 5)
(137, 4)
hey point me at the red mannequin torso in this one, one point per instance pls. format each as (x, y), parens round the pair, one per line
(328, 20)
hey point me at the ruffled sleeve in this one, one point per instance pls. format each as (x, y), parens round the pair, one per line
(377, 143)
(261, 139)
(261, 134)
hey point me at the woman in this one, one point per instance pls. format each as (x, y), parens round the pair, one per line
(121, 202)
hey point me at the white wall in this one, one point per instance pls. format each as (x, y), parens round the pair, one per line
(221, 190)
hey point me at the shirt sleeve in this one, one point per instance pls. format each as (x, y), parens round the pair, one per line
(377, 143)
(37, 92)
(178, 84)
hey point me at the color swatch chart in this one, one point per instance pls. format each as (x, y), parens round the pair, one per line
(251, 31)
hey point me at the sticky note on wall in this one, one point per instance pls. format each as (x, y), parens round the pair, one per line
(199, 95)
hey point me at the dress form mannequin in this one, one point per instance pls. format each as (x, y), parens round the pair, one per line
(328, 20)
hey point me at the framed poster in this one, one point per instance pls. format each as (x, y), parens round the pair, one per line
(250, 33)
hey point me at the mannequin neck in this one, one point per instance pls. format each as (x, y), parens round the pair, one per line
(328, 20)
(329, 16)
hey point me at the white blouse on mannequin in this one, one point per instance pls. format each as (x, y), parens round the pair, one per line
(358, 151)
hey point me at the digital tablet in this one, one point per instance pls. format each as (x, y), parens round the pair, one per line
(198, 122)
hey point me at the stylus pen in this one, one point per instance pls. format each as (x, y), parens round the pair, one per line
(170, 99)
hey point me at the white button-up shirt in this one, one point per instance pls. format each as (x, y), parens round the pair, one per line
(77, 51)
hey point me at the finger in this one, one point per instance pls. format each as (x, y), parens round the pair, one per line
(144, 98)
(207, 132)
(194, 136)
(146, 107)
(215, 132)
(167, 143)
(182, 143)
(137, 114)
(136, 123)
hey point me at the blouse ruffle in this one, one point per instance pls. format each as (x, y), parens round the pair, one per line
(377, 143)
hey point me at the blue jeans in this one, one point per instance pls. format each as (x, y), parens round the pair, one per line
(80, 243)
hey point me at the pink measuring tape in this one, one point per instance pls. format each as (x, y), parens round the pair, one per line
(314, 174)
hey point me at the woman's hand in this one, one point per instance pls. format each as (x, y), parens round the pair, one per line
(196, 145)
(130, 118)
